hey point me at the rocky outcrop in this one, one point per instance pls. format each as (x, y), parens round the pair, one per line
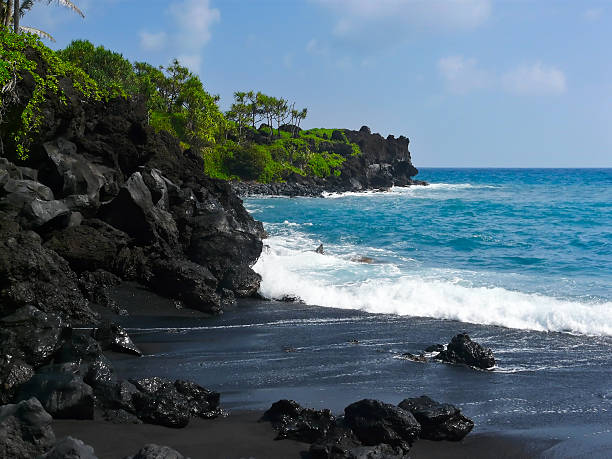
(102, 191)
(162, 402)
(383, 163)
(70, 448)
(63, 394)
(462, 350)
(375, 422)
(153, 451)
(25, 430)
(439, 421)
(369, 428)
(114, 337)
(297, 423)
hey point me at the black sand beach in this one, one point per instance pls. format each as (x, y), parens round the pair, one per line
(240, 435)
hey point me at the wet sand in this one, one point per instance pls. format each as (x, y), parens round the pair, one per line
(240, 435)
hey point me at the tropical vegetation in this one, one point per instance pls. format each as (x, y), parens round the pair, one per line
(258, 138)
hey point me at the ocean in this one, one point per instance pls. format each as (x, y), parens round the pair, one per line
(520, 259)
(521, 248)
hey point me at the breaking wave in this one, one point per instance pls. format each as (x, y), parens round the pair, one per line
(342, 281)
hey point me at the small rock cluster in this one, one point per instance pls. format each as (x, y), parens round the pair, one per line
(461, 351)
(369, 428)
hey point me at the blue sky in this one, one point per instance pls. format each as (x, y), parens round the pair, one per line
(471, 82)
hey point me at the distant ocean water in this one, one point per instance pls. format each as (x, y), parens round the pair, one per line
(521, 248)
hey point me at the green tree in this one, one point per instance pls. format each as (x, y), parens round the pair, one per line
(240, 112)
(111, 71)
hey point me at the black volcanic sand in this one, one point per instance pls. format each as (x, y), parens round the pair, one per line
(240, 436)
(549, 397)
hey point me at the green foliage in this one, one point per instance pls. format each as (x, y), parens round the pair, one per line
(178, 103)
(325, 164)
(247, 161)
(175, 98)
(14, 65)
(111, 71)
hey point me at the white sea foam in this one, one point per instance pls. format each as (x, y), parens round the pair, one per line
(415, 190)
(334, 281)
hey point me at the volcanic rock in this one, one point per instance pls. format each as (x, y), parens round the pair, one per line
(25, 430)
(463, 350)
(70, 448)
(152, 451)
(298, 423)
(375, 422)
(114, 337)
(439, 421)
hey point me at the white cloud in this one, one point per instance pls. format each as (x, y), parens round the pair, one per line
(316, 48)
(593, 14)
(194, 19)
(393, 17)
(462, 75)
(534, 79)
(153, 41)
(188, 33)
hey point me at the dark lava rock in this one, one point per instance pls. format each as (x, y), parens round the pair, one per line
(31, 335)
(90, 246)
(70, 448)
(13, 373)
(25, 430)
(116, 396)
(64, 395)
(152, 451)
(120, 417)
(298, 423)
(439, 421)
(70, 173)
(101, 161)
(188, 282)
(85, 355)
(147, 223)
(203, 403)
(415, 358)
(464, 351)
(30, 274)
(242, 280)
(375, 422)
(96, 287)
(114, 337)
(341, 443)
(435, 348)
(160, 401)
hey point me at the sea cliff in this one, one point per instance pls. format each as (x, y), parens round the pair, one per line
(381, 164)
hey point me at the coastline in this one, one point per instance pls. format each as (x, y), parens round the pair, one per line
(241, 435)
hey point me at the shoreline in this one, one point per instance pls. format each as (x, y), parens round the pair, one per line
(240, 435)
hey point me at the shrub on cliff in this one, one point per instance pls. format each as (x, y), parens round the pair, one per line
(23, 56)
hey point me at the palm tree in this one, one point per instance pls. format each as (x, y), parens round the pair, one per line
(11, 12)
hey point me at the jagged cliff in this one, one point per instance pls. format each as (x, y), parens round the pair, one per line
(104, 198)
(383, 163)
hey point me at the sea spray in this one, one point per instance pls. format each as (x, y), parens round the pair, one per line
(332, 281)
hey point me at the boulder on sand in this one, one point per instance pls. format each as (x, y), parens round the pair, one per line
(25, 430)
(375, 422)
(439, 421)
(297, 423)
(463, 350)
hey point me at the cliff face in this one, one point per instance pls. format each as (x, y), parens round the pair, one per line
(383, 163)
(102, 198)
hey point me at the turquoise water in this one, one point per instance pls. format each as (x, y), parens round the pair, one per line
(520, 248)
